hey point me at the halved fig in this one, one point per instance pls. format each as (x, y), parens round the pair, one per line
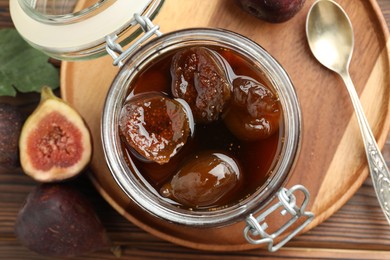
(55, 143)
(155, 126)
(199, 78)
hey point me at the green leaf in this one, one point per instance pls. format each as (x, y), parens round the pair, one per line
(23, 68)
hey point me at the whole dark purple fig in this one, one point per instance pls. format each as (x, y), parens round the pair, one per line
(57, 220)
(11, 121)
(274, 11)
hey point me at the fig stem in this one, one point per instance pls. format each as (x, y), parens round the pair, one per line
(47, 93)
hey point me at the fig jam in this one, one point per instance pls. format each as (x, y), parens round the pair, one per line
(255, 157)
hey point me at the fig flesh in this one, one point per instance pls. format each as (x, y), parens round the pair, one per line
(55, 143)
(273, 11)
(57, 220)
(11, 121)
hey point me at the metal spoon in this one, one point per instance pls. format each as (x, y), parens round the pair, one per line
(330, 36)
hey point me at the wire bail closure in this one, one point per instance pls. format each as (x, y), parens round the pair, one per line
(256, 226)
(115, 49)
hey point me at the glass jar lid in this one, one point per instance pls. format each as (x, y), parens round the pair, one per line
(76, 29)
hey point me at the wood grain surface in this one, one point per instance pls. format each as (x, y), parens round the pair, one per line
(331, 164)
(357, 231)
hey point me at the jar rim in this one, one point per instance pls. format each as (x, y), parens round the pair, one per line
(81, 35)
(116, 96)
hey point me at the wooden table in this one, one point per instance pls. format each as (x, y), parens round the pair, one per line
(357, 231)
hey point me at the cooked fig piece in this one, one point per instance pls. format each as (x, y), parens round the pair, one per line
(11, 121)
(55, 143)
(206, 180)
(274, 11)
(254, 112)
(198, 77)
(57, 220)
(155, 126)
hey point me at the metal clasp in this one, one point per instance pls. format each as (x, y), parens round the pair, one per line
(256, 226)
(115, 49)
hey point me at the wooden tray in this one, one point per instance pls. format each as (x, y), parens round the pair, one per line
(331, 164)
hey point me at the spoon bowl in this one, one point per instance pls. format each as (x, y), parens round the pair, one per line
(330, 35)
(330, 38)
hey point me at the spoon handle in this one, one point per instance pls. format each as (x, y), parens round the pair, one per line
(378, 169)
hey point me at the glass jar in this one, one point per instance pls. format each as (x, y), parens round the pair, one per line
(94, 30)
(130, 180)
